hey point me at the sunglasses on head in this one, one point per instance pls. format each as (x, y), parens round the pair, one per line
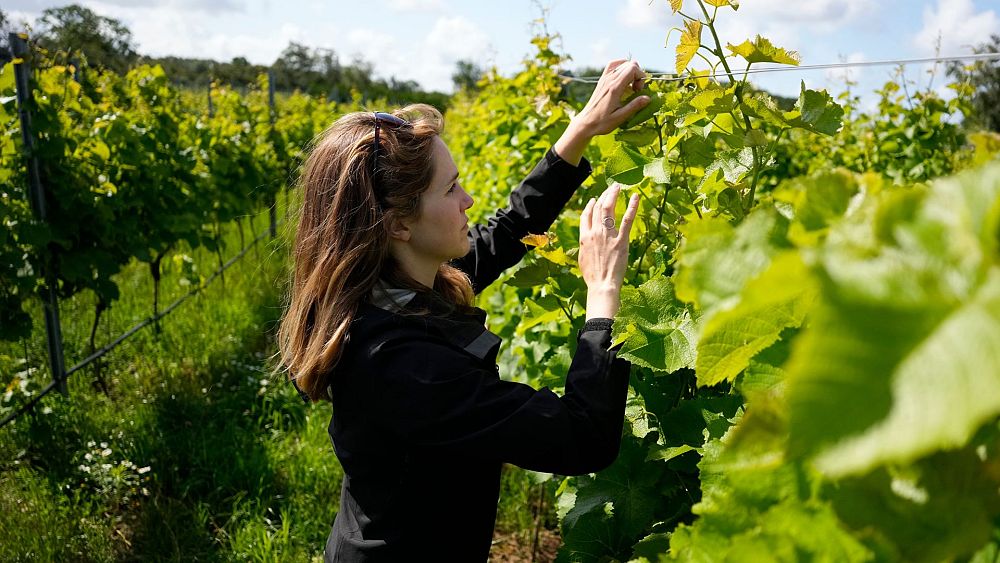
(390, 120)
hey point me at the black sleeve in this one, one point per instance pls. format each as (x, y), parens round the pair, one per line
(460, 406)
(533, 207)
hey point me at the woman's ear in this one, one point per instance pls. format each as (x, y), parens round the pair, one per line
(399, 230)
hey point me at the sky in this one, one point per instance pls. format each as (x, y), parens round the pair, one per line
(421, 40)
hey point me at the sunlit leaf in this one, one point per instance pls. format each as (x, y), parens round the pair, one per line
(778, 299)
(816, 111)
(761, 50)
(909, 329)
(661, 333)
(625, 165)
(689, 45)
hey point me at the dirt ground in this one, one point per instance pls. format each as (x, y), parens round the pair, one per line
(516, 548)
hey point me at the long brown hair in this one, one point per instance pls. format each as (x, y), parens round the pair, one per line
(342, 242)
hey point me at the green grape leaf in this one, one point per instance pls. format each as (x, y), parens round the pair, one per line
(734, 164)
(555, 255)
(900, 360)
(653, 547)
(939, 507)
(765, 374)
(778, 299)
(763, 106)
(639, 137)
(646, 113)
(689, 45)
(536, 312)
(716, 259)
(605, 515)
(657, 330)
(819, 200)
(761, 50)
(755, 138)
(626, 165)
(816, 111)
(667, 453)
(530, 275)
(712, 101)
(657, 170)
(752, 509)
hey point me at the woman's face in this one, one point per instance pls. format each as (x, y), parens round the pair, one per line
(440, 232)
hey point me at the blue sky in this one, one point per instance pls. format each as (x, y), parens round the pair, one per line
(421, 39)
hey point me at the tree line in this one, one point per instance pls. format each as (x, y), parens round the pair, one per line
(106, 43)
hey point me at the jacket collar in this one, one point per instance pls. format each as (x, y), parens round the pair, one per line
(392, 299)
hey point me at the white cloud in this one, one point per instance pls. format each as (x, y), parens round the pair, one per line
(644, 14)
(426, 6)
(170, 30)
(457, 37)
(600, 52)
(430, 61)
(19, 20)
(830, 14)
(958, 26)
(210, 6)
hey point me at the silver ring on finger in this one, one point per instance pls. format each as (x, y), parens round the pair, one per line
(609, 222)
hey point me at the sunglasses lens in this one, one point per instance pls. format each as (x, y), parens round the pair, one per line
(389, 118)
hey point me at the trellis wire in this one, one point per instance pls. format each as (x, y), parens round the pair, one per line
(672, 77)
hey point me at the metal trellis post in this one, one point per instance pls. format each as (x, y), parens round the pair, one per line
(211, 108)
(273, 203)
(53, 331)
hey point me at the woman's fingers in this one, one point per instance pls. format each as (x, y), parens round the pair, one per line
(612, 200)
(606, 203)
(627, 75)
(629, 217)
(612, 65)
(585, 216)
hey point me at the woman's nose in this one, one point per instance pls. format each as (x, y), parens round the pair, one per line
(468, 200)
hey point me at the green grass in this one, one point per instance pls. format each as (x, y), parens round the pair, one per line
(238, 467)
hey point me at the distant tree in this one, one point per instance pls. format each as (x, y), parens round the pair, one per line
(105, 42)
(466, 76)
(580, 92)
(239, 71)
(985, 79)
(314, 71)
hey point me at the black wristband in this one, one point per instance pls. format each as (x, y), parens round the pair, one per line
(599, 323)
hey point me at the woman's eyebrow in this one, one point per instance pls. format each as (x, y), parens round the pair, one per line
(452, 181)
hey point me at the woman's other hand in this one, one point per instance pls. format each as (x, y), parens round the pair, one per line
(604, 112)
(604, 251)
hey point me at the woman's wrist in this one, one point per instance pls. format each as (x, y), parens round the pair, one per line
(603, 302)
(572, 143)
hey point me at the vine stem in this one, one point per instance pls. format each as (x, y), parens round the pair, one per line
(688, 189)
(649, 240)
(569, 316)
(659, 133)
(746, 119)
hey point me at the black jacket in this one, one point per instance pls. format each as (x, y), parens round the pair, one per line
(422, 422)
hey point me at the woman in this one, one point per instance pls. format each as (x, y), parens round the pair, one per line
(381, 323)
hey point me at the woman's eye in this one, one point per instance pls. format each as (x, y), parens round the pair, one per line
(452, 188)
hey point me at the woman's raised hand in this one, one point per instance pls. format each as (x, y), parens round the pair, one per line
(604, 251)
(604, 112)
